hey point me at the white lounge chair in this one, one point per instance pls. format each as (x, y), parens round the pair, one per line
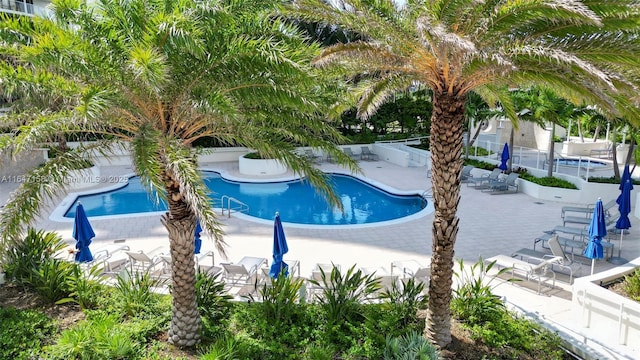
(412, 269)
(563, 263)
(142, 262)
(244, 271)
(587, 210)
(530, 271)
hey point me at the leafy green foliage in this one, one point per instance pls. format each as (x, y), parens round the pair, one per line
(52, 280)
(280, 298)
(133, 295)
(341, 295)
(473, 301)
(548, 181)
(24, 257)
(23, 332)
(85, 287)
(480, 164)
(609, 180)
(225, 348)
(404, 301)
(409, 347)
(631, 285)
(213, 303)
(101, 337)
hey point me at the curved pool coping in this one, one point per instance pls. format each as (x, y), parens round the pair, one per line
(58, 213)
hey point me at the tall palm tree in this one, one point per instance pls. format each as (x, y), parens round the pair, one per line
(154, 77)
(582, 49)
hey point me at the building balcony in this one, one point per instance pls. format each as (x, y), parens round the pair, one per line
(19, 7)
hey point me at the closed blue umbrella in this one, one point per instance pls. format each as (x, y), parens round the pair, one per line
(83, 233)
(623, 223)
(597, 230)
(279, 249)
(626, 175)
(196, 237)
(504, 158)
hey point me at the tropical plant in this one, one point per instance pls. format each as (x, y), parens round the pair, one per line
(631, 285)
(27, 254)
(408, 347)
(212, 298)
(342, 294)
(280, 299)
(154, 77)
(51, 279)
(84, 286)
(473, 300)
(586, 51)
(405, 300)
(134, 293)
(100, 337)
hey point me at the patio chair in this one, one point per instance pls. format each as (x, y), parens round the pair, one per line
(563, 263)
(503, 185)
(412, 269)
(142, 262)
(350, 153)
(587, 210)
(538, 272)
(308, 153)
(112, 257)
(367, 154)
(466, 175)
(482, 181)
(244, 271)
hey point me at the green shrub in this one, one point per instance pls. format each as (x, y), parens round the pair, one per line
(410, 346)
(133, 295)
(23, 332)
(548, 181)
(101, 337)
(85, 287)
(403, 302)
(24, 256)
(213, 304)
(609, 180)
(480, 164)
(280, 299)
(473, 302)
(223, 349)
(51, 280)
(253, 155)
(342, 295)
(631, 285)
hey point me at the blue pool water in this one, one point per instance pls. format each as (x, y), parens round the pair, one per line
(583, 163)
(296, 201)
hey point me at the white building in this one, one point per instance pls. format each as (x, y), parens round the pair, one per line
(25, 7)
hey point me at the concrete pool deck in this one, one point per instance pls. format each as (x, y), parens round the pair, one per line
(489, 225)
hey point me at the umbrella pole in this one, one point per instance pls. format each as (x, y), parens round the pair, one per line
(593, 264)
(620, 247)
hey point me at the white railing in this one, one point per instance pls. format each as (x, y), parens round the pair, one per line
(537, 159)
(229, 202)
(22, 8)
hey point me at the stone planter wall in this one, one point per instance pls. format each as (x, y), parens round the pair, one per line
(261, 167)
(598, 309)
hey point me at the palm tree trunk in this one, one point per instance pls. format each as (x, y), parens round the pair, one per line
(180, 222)
(446, 156)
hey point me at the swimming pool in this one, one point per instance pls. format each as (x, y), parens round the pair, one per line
(296, 201)
(573, 162)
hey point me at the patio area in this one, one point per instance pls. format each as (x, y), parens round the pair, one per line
(489, 225)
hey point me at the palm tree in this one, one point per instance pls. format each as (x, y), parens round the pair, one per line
(578, 48)
(154, 77)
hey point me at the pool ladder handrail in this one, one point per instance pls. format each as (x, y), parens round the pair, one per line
(426, 195)
(241, 207)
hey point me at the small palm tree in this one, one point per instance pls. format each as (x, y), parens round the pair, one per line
(584, 50)
(154, 77)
